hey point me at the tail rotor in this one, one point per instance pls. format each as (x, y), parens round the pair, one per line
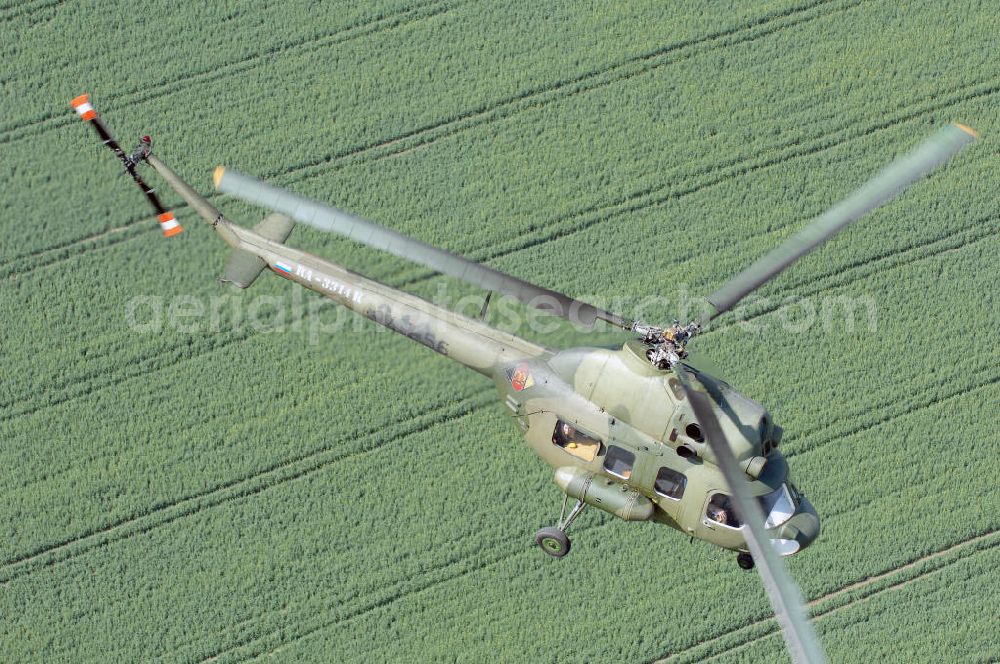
(168, 222)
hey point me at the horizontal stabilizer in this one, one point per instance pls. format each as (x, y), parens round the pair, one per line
(276, 227)
(243, 267)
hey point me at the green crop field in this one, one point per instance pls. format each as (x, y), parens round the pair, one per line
(317, 489)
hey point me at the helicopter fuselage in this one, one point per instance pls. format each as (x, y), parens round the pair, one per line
(629, 443)
(610, 419)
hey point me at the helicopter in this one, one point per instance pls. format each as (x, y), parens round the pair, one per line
(636, 431)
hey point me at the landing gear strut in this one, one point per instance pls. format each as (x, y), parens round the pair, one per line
(553, 539)
(744, 560)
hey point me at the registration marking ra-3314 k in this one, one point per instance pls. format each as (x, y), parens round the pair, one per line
(298, 272)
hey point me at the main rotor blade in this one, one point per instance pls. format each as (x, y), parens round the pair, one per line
(786, 600)
(890, 181)
(326, 218)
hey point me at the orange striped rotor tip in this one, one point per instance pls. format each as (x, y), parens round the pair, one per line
(968, 130)
(83, 108)
(169, 224)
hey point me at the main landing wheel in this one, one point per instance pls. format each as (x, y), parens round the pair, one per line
(744, 560)
(553, 541)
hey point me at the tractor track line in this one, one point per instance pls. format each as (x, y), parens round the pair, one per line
(5, 270)
(862, 584)
(735, 167)
(845, 512)
(738, 166)
(253, 484)
(362, 28)
(581, 83)
(470, 566)
(56, 119)
(8, 405)
(906, 581)
(839, 275)
(398, 594)
(913, 408)
(832, 515)
(247, 494)
(287, 405)
(33, 558)
(26, 10)
(558, 228)
(853, 272)
(628, 206)
(173, 355)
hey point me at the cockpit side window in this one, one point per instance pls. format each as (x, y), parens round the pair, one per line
(670, 483)
(575, 442)
(720, 511)
(619, 462)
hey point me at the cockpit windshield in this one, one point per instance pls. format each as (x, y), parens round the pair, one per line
(778, 506)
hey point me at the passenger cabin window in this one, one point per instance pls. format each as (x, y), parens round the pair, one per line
(619, 462)
(575, 441)
(720, 510)
(670, 483)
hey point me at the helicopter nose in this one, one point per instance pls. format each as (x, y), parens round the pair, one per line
(798, 532)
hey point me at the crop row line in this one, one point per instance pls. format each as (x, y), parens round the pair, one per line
(172, 355)
(14, 11)
(150, 363)
(930, 565)
(14, 412)
(453, 569)
(851, 277)
(603, 214)
(361, 28)
(283, 471)
(842, 275)
(560, 226)
(187, 506)
(931, 396)
(804, 436)
(703, 649)
(564, 88)
(277, 406)
(50, 550)
(445, 127)
(397, 593)
(932, 392)
(465, 565)
(644, 199)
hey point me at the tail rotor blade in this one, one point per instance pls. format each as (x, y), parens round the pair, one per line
(882, 188)
(786, 600)
(168, 223)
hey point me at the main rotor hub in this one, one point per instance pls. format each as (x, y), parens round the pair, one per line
(666, 344)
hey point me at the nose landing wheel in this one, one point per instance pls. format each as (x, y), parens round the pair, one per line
(553, 539)
(744, 560)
